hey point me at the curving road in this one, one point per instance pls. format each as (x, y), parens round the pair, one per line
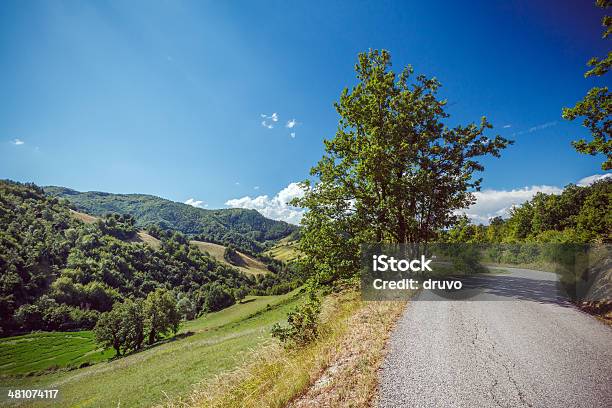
(519, 343)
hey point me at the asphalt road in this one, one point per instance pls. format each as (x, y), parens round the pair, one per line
(518, 344)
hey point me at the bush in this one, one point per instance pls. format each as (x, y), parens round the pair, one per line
(303, 323)
(186, 308)
(217, 297)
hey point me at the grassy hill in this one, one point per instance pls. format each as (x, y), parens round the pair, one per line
(246, 229)
(248, 265)
(285, 250)
(205, 347)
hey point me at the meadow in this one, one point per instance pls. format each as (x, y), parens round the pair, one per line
(47, 351)
(285, 251)
(204, 348)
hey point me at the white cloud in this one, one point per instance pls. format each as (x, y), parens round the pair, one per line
(277, 207)
(507, 126)
(255, 187)
(292, 134)
(291, 123)
(17, 142)
(196, 203)
(497, 203)
(494, 203)
(269, 120)
(591, 179)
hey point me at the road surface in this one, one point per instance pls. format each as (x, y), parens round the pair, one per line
(518, 344)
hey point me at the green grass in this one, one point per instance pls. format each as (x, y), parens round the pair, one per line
(220, 341)
(284, 252)
(38, 352)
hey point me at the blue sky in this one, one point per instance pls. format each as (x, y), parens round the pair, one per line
(166, 97)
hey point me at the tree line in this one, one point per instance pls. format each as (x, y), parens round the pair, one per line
(579, 214)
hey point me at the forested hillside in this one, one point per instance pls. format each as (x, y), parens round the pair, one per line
(580, 214)
(245, 229)
(59, 273)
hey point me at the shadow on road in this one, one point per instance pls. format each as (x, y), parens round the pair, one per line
(513, 287)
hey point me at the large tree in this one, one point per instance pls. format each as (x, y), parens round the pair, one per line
(394, 172)
(161, 314)
(596, 106)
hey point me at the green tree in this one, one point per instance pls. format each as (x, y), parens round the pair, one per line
(186, 308)
(596, 106)
(161, 314)
(132, 324)
(109, 329)
(595, 218)
(240, 293)
(393, 172)
(217, 297)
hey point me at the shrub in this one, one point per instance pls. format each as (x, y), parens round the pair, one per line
(303, 323)
(217, 297)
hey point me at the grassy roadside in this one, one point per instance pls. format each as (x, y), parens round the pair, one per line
(340, 366)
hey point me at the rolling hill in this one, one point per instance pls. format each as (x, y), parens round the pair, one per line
(245, 229)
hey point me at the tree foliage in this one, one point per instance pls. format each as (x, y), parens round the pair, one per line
(394, 172)
(161, 314)
(596, 107)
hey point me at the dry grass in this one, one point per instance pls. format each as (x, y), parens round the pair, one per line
(251, 265)
(339, 369)
(150, 240)
(141, 236)
(86, 218)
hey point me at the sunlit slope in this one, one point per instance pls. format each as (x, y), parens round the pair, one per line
(249, 264)
(141, 236)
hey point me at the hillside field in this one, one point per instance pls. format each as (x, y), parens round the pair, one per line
(204, 348)
(250, 265)
(284, 251)
(37, 352)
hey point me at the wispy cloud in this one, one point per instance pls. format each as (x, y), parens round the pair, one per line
(269, 120)
(292, 134)
(536, 128)
(196, 203)
(276, 207)
(507, 126)
(237, 183)
(256, 188)
(17, 142)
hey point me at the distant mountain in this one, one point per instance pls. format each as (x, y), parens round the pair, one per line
(246, 229)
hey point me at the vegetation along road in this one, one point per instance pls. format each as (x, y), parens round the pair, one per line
(518, 343)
